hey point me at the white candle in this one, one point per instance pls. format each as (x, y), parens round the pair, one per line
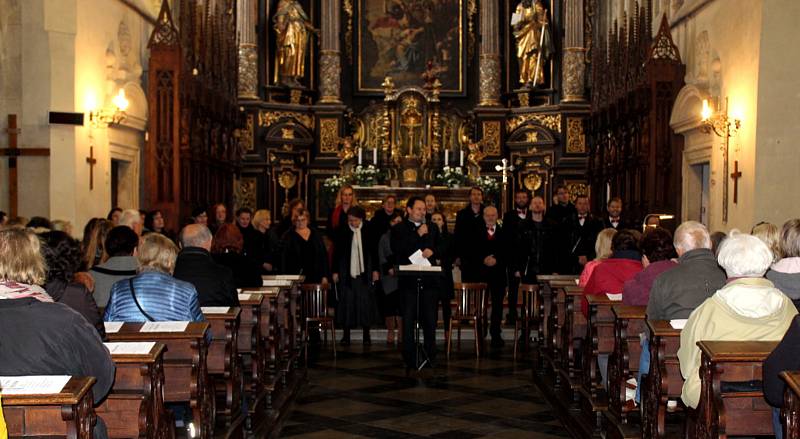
(375, 156)
(461, 159)
(359, 155)
(446, 157)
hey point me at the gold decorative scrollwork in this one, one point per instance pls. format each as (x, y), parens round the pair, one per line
(533, 182)
(576, 189)
(246, 137)
(267, 118)
(245, 195)
(472, 11)
(576, 139)
(551, 121)
(328, 135)
(491, 137)
(347, 6)
(287, 179)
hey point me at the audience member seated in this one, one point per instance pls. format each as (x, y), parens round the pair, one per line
(120, 245)
(154, 223)
(304, 252)
(676, 293)
(783, 358)
(62, 254)
(38, 336)
(657, 254)
(610, 275)
(153, 294)
(602, 248)
(716, 240)
(114, 215)
(262, 223)
(199, 216)
(63, 226)
(132, 218)
(785, 273)
(213, 282)
(771, 235)
(227, 251)
(747, 308)
(39, 224)
(93, 245)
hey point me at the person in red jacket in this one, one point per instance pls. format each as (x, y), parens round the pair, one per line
(610, 275)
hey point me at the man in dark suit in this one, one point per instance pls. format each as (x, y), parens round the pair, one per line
(408, 237)
(583, 228)
(516, 223)
(469, 221)
(213, 282)
(379, 223)
(562, 209)
(613, 218)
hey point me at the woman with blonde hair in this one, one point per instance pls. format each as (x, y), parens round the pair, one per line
(345, 199)
(602, 248)
(785, 273)
(153, 294)
(262, 223)
(771, 235)
(94, 238)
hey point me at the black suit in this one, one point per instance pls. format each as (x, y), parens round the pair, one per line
(482, 245)
(581, 239)
(405, 241)
(514, 228)
(467, 224)
(379, 223)
(621, 225)
(213, 282)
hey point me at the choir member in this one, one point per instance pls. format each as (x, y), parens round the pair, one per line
(445, 255)
(469, 220)
(379, 223)
(304, 252)
(220, 214)
(262, 223)
(613, 218)
(390, 300)
(581, 231)
(517, 222)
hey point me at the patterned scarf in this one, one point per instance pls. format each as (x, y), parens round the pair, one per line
(14, 290)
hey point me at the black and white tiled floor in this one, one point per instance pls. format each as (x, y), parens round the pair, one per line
(364, 393)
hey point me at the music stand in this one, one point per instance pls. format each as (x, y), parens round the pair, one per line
(418, 272)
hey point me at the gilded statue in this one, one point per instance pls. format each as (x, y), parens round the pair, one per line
(474, 153)
(529, 24)
(292, 27)
(347, 152)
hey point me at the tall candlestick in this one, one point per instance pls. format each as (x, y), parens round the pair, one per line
(461, 159)
(359, 156)
(375, 156)
(447, 157)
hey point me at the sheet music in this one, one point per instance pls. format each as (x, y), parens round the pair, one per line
(678, 323)
(33, 384)
(112, 327)
(418, 259)
(413, 267)
(130, 348)
(276, 283)
(215, 309)
(245, 297)
(164, 327)
(615, 297)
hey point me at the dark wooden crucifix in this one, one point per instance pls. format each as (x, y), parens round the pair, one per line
(736, 175)
(91, 161)
(13, 152)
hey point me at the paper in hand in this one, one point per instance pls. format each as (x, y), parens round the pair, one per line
(418, 259)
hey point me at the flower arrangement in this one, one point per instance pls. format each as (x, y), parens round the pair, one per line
(365, 175)
(331, 185)
(451, 177)
(489, 185)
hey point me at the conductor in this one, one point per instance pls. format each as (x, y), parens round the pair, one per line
(406, 238)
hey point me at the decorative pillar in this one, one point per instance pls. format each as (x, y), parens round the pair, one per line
(330, 70)
(489, 68)
(247, 14)
(574, 62)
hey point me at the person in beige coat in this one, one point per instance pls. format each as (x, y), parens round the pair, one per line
(748, 307)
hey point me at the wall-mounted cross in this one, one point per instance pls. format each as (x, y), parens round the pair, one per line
(13, 152)
(736, 175)
(91, 161)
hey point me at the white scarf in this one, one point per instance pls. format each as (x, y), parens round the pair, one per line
(356, 253)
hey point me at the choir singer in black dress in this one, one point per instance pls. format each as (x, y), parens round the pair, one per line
(406, 239)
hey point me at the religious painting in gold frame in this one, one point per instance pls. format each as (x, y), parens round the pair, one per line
(398, 38)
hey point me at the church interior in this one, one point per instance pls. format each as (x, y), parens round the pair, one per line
(239, 218)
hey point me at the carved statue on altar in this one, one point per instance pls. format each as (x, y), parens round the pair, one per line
(292, 27)
(529, 24)
(475, 154)
(411, 124)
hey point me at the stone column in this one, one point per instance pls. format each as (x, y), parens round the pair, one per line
(574, 58)
(247, 14)
(489, 68)
(330, 70)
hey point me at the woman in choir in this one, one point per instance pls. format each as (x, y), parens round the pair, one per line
(337, 218)
(390, 300)
(153, 294)
(227, 250)
(154, 223)
(602, 248)
(747, 308)
(355, 271)
(304, 252)
(262, 223)
(220, 214)
(63, 257)
(446, 253)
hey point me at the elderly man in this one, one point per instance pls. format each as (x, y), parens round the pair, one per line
(133, 219)
(214, 282)
(676, 293)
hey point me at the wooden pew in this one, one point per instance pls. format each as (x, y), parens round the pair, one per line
(790, 413)
(288, 319)
(599, 341)
(271, 341)
(623, 364)
(135, 405)
(544, 324)
(68, 413)
(185, 369)
(252, 349)
(224, 364)
(664, 381)
(740, 412)
(554, 341)
(573, 334)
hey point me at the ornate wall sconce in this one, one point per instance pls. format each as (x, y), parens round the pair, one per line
(726, 127)
(103, 117)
